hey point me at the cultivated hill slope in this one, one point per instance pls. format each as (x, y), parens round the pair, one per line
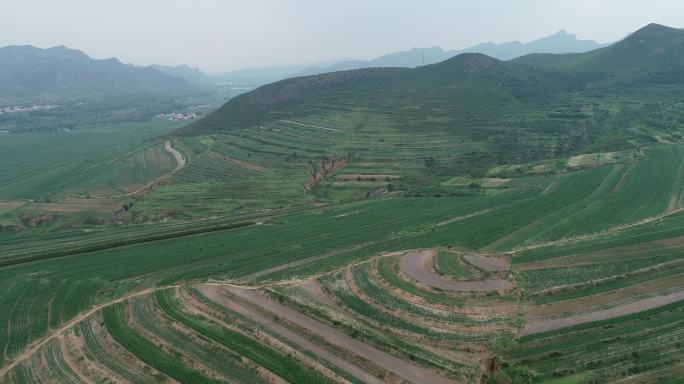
(30, 73)
(652, 48)
(561, 103)
(466, 81)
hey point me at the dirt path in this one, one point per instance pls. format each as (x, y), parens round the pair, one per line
(533, 326)
(468, 216)
(489, 264)
(407, 370)
(31, 349)
(213, 293)
(180, 163)
(310, 126)
(418, 265)
(238, 163)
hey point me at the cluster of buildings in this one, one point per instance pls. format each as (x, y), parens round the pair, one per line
(177, 116)
(27, 108)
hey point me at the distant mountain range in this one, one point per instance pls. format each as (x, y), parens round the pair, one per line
(259, 76)
(33, 74)
(192, 75)
(30, 74)
(561, 42)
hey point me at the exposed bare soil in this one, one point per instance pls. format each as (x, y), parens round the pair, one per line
(605, 298)
(366, 177)
(70, 205)
(418, 266)
(489, 264)
(71, 363)
(239, 163)
(394, 364)
(214, 293)
(534, 326)
(493, 182)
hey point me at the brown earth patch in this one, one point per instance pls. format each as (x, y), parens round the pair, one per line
(66, 355)
(117, 352)
(489, 264)
(10, 205)
(215, 294)
(544, 325)
(90, 367)
(322, 169)
(418, 266)
(394, 364)
(464, 217)
(366, 177)
(493, 182)
(239, 163)
(439, 326)
(606, 298)
(471, 306)
(74, 205)
(197, 307)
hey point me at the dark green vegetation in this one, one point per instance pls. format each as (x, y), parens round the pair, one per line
(576, 172)
(115, 321)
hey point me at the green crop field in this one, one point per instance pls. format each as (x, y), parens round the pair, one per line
(471, 221)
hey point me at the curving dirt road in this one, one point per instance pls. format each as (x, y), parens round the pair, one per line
(180, 163)
(544, 325)
(418, 266)
(407, 370)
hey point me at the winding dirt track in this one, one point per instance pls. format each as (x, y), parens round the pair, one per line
(418, 266)
(180, 163)
(542, 325)
(407, 370)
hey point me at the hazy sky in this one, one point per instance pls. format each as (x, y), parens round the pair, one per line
(230, 34)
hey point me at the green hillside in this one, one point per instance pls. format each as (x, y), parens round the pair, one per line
(471, 221)
(652, 48)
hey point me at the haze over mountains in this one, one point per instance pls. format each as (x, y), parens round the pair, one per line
(30, 74)
(561, 42)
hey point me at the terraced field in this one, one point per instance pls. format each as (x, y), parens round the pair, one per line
(522, 283)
